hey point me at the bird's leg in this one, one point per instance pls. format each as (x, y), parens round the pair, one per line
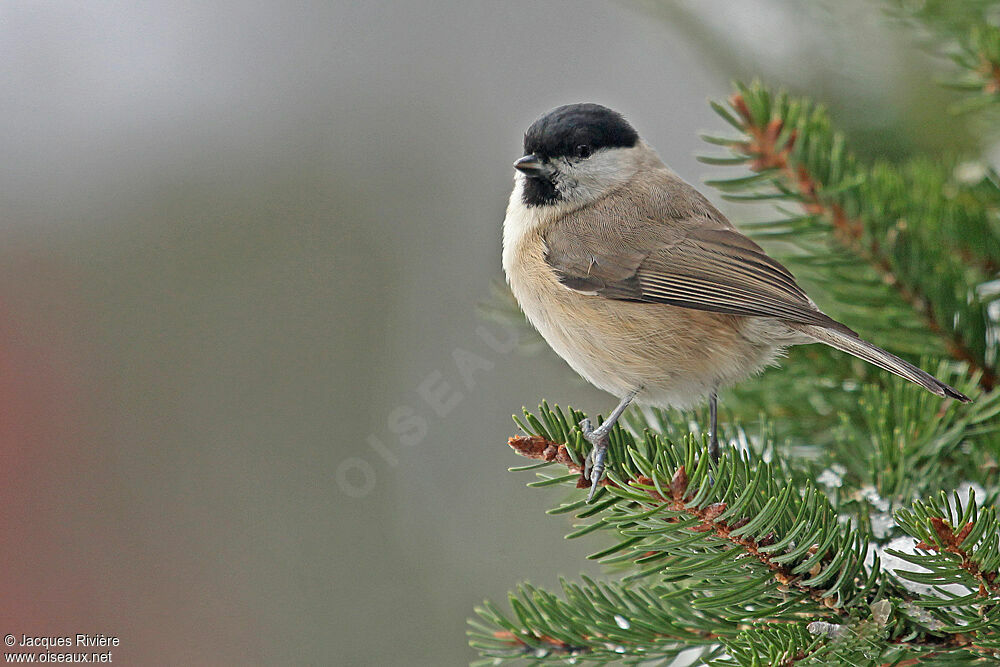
(713, 417)
(599, 437)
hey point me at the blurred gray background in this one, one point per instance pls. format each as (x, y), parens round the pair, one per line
(247, 415)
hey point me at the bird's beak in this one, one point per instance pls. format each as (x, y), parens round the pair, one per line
(532, 165)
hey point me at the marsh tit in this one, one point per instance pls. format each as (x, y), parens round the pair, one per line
(643, 286)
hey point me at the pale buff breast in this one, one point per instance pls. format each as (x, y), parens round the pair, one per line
(677, 355)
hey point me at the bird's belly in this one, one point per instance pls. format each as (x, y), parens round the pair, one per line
(675, 356)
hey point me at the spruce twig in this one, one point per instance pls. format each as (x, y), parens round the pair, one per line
(770, 148)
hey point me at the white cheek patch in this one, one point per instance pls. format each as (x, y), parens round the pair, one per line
(585, 180)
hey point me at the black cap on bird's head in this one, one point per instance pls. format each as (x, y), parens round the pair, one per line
(573, 132)
(574, 129)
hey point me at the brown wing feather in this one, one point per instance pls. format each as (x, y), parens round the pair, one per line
(693, 263)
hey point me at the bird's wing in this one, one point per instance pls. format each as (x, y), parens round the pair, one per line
(692, 264)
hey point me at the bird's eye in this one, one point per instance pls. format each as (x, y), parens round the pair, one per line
(584, 151)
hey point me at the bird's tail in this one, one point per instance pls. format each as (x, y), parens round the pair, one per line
(862, 349)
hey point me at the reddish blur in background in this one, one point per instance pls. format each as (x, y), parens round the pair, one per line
(241, 245)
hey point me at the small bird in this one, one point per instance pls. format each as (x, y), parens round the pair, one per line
(643, 286)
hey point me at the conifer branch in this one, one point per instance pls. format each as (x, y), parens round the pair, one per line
(670, 520)
(969, 556)
(965, 34)
(789, 146)
(952, 542)
(681, 527)
(765, 154)
(677, 498)
(595, 622)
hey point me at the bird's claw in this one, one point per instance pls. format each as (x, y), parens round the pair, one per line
(593, 465)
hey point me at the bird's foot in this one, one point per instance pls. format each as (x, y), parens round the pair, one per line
(713, 447)
(713, 416)
(594, 464)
